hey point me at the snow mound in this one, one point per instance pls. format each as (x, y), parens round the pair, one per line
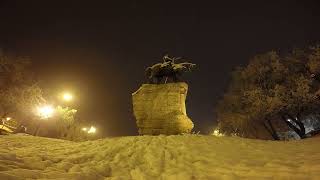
(158, 157)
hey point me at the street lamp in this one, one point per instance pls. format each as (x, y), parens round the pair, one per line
(45, 112)
(67, 96)
(92, 130)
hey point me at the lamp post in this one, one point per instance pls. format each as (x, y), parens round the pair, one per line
(44, 112)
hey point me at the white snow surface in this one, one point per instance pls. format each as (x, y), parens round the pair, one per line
(180, 157)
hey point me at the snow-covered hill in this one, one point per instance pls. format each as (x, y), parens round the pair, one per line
(158, 157)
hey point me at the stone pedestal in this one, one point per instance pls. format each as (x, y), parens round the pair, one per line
(161, 109)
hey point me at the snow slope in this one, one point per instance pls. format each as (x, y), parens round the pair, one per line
(158, 157)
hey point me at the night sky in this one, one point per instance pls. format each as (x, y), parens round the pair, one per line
(99, 49)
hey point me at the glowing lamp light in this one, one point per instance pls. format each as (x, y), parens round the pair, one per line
(216, 132)
(45, 112)
(8, 118)
(92, 130)
(84, 129)
(67, 97)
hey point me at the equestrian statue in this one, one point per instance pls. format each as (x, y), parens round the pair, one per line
(168, 69)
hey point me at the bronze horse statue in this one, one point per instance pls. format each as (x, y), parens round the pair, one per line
(167, 70)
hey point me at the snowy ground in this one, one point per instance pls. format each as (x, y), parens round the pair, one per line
(158, 157)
